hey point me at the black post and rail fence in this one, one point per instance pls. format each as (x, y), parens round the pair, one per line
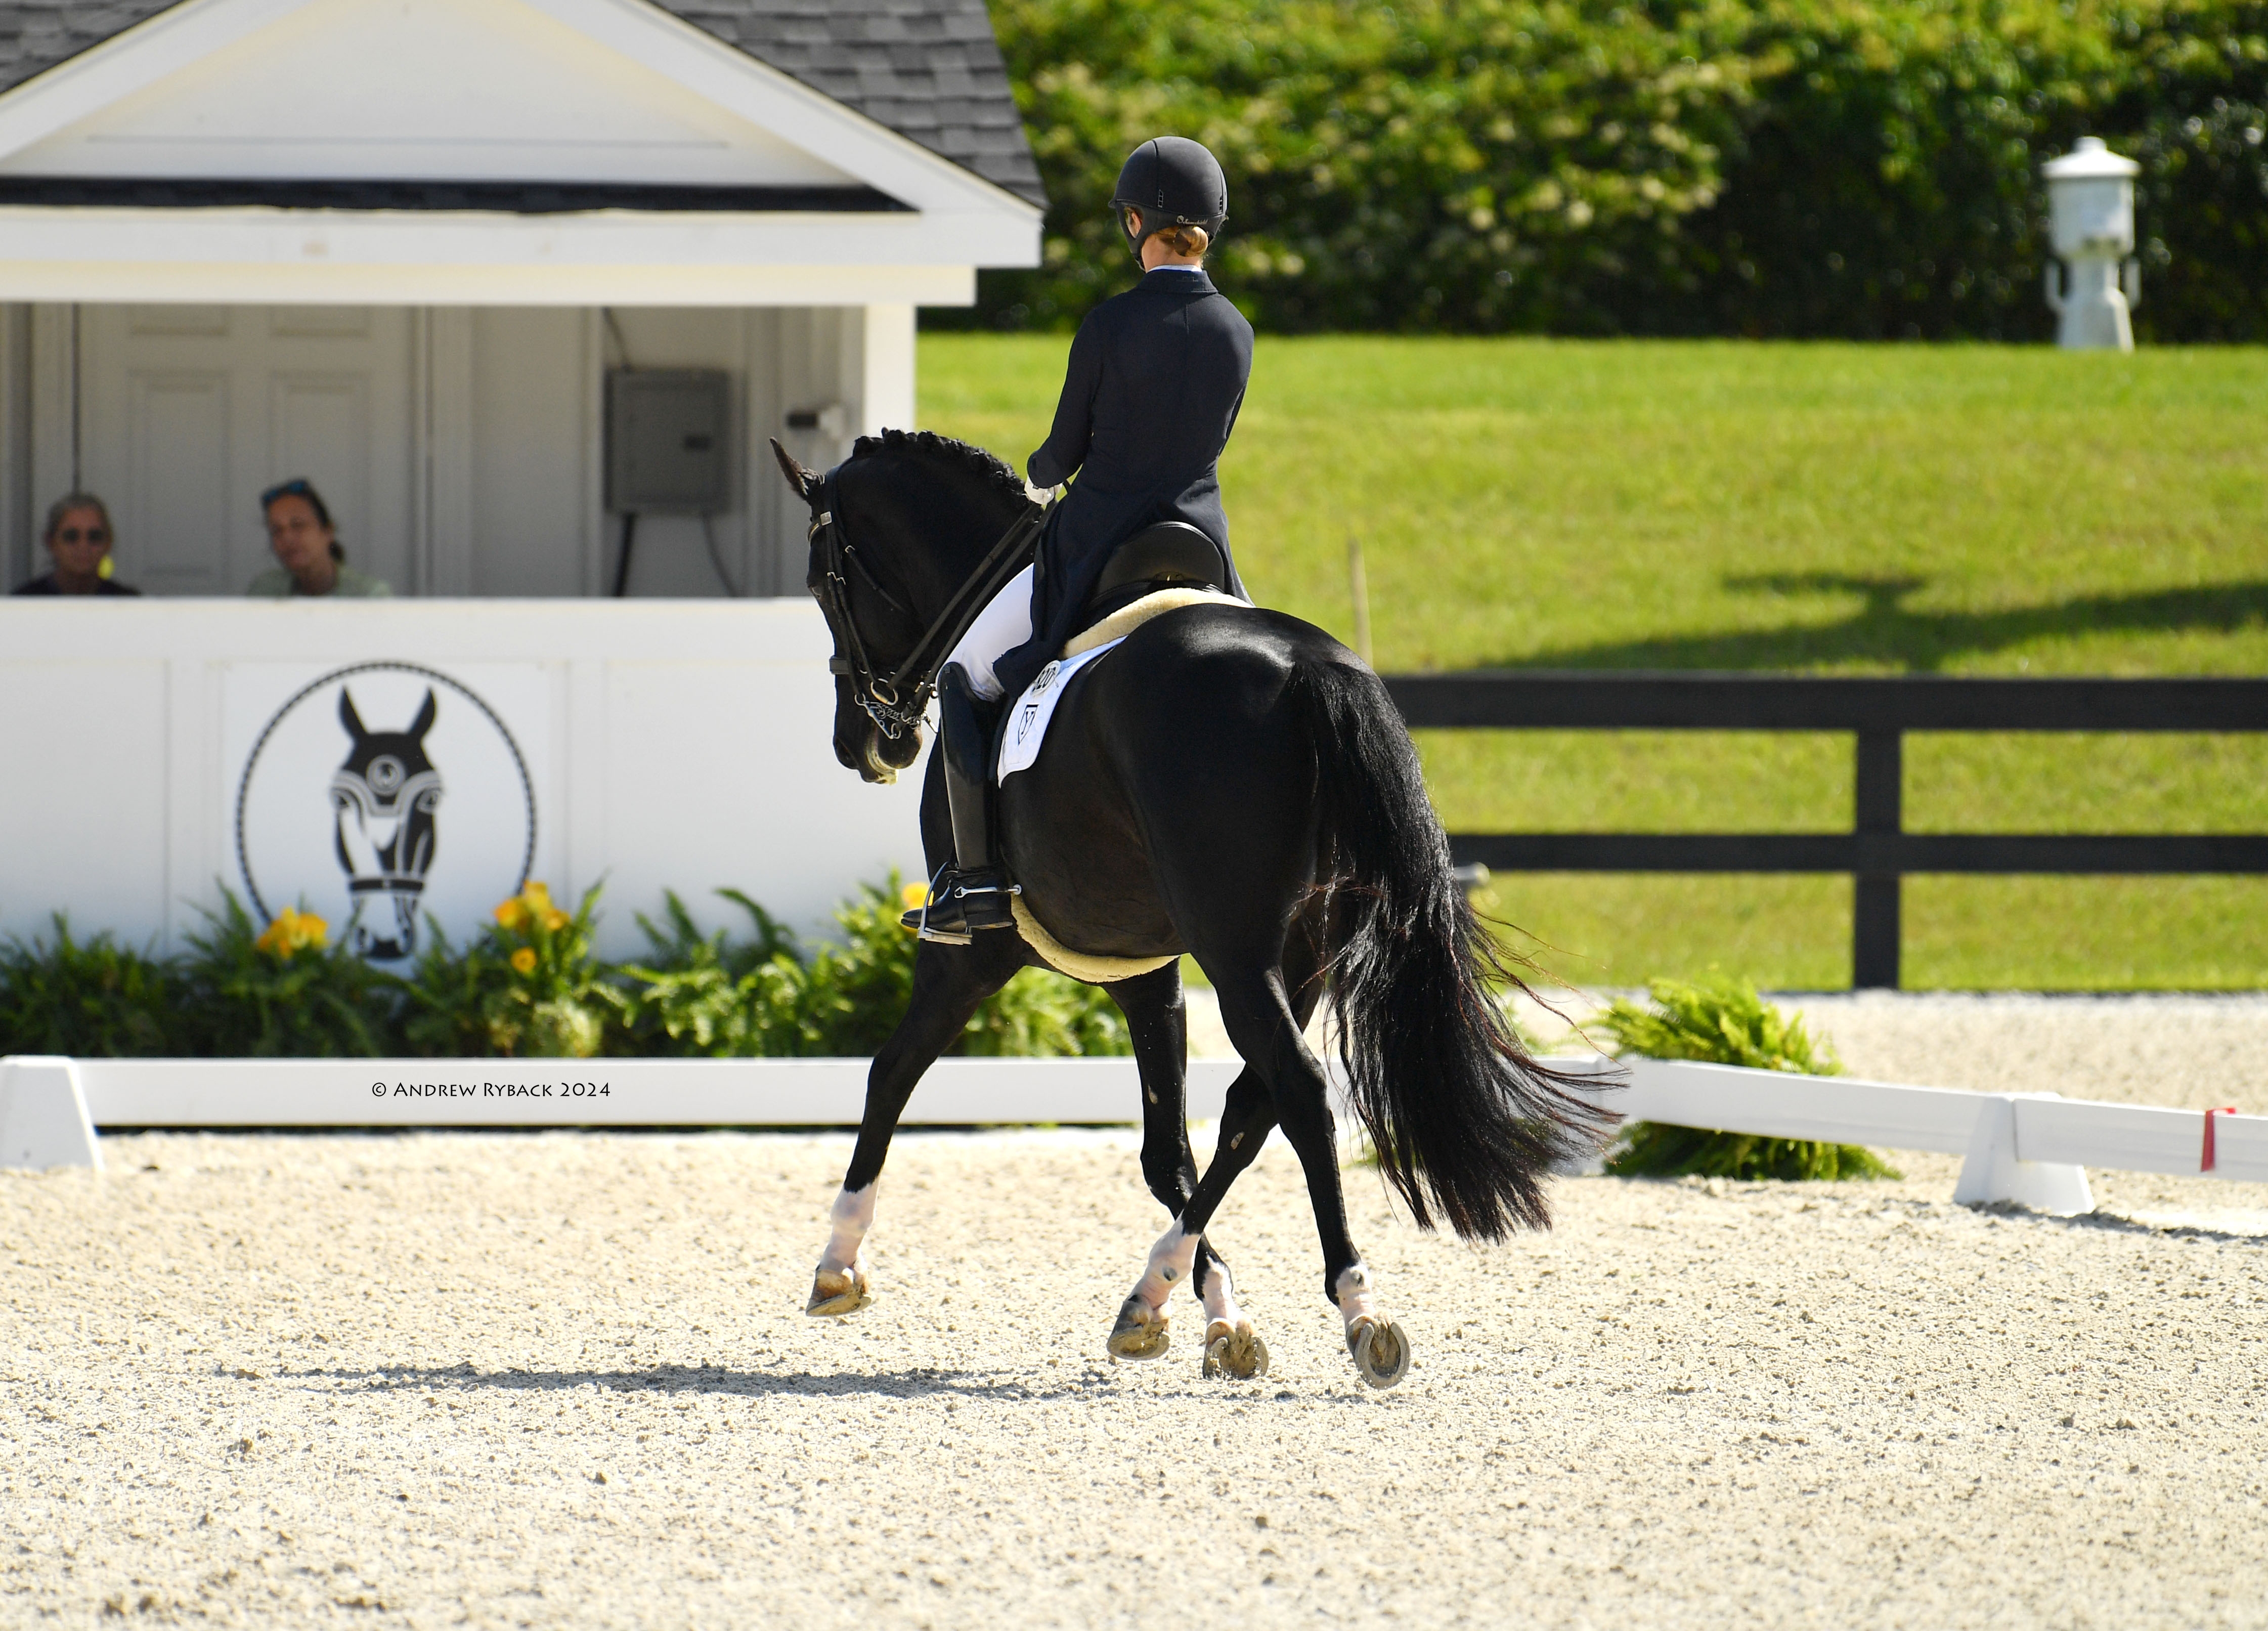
(1878, 851)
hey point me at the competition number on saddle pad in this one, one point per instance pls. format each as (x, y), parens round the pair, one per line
(1027, 727)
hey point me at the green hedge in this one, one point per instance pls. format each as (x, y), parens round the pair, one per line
(529, 985)
(1848, 168)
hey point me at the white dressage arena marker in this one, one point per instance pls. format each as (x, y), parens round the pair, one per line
(43, 1120)
(1992, 1170)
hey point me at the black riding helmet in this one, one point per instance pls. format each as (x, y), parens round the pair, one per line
(1170, 182)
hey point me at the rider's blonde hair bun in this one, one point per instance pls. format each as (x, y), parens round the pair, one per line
(1184, 240)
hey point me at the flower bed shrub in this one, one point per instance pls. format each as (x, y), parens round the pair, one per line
(96, 999)
(530, 984)
(279, 993)
(1726, 1022)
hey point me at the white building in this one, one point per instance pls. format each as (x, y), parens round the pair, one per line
(378, 243)
(397, 246)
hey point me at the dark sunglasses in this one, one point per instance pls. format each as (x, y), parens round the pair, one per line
(298, 487)
(92, 535)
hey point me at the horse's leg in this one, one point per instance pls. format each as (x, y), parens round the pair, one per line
(1232, 1347)
(1158, 1023)
(1261, 1022)
(949, 981)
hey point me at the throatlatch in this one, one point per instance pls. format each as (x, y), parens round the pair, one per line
(972, 894)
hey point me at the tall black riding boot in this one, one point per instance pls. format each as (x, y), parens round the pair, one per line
(972, 894)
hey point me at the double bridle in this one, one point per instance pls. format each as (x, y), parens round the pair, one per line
(898, 701)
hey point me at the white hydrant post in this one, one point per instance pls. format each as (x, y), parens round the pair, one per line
(2091, 210)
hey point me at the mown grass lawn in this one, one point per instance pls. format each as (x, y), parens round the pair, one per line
(1827, 508)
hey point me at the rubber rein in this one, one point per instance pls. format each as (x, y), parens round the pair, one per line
(897, 701)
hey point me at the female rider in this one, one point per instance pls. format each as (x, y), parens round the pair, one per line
(1157, 375)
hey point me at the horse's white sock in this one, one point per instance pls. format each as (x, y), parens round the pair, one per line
(1351, 1290)
(1170, 1261)
(1220, 1296)
(854, 1215)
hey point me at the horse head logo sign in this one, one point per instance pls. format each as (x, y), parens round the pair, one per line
(356, 837)
(385, 797)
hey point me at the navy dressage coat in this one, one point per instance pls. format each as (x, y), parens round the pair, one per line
(1157, 375)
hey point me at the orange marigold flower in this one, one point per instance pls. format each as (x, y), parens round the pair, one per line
(524, 959)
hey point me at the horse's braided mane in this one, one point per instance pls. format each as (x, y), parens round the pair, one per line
(944, 450)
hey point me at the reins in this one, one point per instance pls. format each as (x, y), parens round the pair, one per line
(897, 702)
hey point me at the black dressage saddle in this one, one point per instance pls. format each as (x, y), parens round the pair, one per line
(1172, 554)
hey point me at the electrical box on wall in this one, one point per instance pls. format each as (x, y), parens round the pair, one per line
(667, 433)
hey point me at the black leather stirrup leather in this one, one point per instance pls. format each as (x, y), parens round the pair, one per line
(972, 894)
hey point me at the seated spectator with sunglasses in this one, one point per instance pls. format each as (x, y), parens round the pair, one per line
(311, 559)
(78, 538)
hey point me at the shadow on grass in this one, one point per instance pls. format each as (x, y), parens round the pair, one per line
(1886, 632)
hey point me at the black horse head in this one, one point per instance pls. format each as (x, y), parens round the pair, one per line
(383, 799)
(914, 514)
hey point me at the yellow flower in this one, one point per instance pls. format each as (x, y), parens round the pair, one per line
(524, 960)
(915, 895)
(292, 931)
(532, 903)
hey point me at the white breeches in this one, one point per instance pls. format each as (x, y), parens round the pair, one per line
(1004, 625)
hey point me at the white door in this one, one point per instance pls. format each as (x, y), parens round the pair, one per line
(186, 413)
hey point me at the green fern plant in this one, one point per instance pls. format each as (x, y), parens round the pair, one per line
(712, 997)
(93, 998)
(1724, 1022)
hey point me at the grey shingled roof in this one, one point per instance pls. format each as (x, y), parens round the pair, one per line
(930, 69)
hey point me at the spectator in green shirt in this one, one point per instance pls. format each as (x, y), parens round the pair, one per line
(310, 558)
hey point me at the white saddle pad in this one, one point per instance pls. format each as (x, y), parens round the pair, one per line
(1027, 727)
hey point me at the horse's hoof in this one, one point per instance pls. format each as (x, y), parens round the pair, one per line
(1140, 1332)
(838, 1291)
(1381, 1353)
(1234, 1351)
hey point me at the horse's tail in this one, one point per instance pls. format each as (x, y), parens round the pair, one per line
(1464, 1120)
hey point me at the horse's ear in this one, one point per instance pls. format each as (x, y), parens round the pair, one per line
(348, 716)
(424, 722)
(805, 483)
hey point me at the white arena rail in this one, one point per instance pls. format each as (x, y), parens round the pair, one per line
(49, 1106)
(2029, 1148)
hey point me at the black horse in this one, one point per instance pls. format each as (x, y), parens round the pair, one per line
(1232, 782)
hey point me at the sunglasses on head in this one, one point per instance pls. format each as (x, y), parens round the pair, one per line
(92, 535)
(296, 488)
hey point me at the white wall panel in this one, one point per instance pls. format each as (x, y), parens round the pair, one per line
(676, 745)
(82, 825)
